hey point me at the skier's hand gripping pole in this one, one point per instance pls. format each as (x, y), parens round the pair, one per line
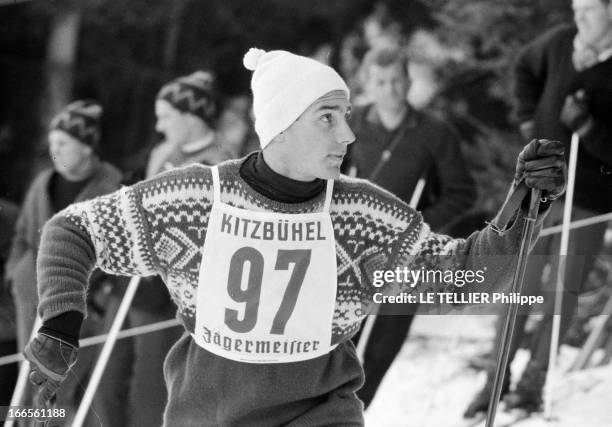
(541, 167)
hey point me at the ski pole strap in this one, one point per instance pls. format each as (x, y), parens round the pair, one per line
(511, 205)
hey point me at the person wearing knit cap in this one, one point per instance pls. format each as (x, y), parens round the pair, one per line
(78, 174)
(81, 120)
(272, 260)
(74, 135)
(187, 109)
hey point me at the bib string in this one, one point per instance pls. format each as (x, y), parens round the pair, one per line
(216, 184)
(328, 195)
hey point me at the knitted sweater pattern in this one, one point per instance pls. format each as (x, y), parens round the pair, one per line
(159, 226)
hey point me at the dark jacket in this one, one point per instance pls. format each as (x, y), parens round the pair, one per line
(427, 147)
(545, 75)
(36, 210)
(8, 218)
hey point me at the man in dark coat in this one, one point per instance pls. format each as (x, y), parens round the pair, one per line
(397, 145)
(8, 334)
(563, 85)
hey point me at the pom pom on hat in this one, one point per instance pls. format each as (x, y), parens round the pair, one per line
(81, 120)
(284, 85)
(252, 57)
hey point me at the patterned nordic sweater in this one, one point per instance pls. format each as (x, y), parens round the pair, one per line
(159, 226)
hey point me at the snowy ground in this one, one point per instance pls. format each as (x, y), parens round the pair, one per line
(429, 385)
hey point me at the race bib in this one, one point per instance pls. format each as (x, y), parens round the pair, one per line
(267, 285)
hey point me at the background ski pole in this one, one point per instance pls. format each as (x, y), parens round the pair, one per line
(567, 217)
(517, 285)
(106, 352)
(22, 379)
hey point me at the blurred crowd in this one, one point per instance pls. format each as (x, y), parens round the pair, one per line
(562, 87)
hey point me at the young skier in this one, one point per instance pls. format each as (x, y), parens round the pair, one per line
(270, 259)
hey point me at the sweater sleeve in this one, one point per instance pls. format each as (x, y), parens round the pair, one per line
(457, 189)
(447, 261)
(109, 232)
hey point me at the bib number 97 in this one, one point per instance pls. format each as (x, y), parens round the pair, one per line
(250, 295)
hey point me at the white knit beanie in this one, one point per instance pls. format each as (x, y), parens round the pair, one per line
(284, 85)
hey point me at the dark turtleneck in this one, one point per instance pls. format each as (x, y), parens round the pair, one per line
(63, 192)
(256, 172)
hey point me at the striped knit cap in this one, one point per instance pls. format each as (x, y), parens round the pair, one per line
(81, 120)
(194, 94)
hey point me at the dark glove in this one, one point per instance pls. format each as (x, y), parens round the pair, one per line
(50, 360)
(542, 164)
(575, 112)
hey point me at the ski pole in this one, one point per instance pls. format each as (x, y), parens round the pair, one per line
(100, 339)
(579, 223)
(22, 379)
(369, 323)
(567, 217)
(510, 320)
(106, 352)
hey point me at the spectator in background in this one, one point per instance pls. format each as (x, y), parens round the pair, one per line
(8, 333)
(382, 30)
(187, 110)
(378, 30)
(236, 128)
(78, 174)
(564, 85)
(396, 145)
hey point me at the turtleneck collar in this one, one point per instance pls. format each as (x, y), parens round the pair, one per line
(256, 172)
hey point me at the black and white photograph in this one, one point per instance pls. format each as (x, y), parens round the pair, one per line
(379, 213)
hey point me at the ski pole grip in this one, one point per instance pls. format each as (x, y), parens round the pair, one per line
(511, 205)
(534, 204)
